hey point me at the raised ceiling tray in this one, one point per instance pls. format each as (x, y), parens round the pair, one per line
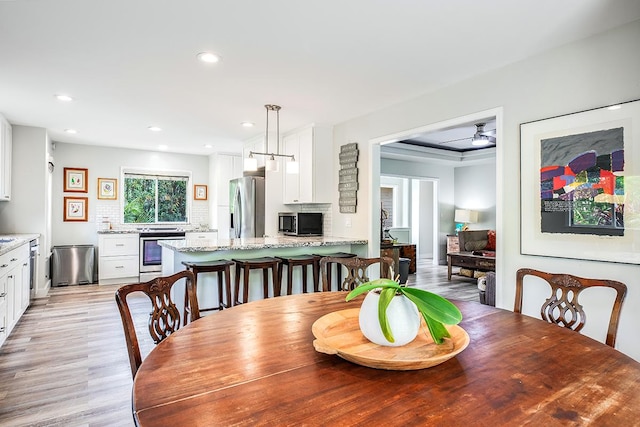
(339, 333)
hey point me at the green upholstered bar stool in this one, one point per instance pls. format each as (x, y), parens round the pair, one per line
(223, 268)
(339, 267)
(245, 266)
(303, 261)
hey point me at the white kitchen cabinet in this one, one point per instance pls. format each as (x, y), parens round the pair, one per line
(228, 167)
(119, 259)
(13, 287)
(5, 159)
(312, 147)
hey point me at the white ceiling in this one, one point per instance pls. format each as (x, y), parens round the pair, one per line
(131, 64)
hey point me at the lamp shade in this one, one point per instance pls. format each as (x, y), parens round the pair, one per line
(292, 167)
(250, 164)
(271, 164)
(466, 216)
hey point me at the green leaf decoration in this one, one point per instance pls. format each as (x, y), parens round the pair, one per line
(386, 295)
(437, 330)
(434, 306)
(436, 310)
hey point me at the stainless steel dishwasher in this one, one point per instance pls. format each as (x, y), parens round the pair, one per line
(72, 265)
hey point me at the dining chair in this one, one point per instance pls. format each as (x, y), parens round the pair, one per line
(164, 318)
(563, 307)
(357, 270)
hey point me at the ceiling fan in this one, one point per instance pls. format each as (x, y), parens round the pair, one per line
(480, 138)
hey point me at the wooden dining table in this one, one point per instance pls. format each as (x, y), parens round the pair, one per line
(255, 364)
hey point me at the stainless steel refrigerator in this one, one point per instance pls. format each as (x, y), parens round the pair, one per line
(246, 205)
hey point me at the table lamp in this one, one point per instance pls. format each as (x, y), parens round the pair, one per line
(464, 217)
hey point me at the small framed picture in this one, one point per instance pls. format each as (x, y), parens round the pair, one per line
(200, 192)
(75, 180)
(76, 208)
(107, 188)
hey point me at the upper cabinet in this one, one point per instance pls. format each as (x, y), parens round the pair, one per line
(312, 147)
(5, 159)
(228, 167)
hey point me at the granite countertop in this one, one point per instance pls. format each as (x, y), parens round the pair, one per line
(17, 240)
(209, 245)
(135, 231)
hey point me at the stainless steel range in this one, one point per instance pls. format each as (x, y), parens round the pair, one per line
(151, 251)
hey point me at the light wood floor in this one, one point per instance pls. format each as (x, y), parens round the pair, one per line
(66, 364)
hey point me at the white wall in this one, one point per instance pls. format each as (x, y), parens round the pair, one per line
(425, 218)
(106, 162)
(475, 189)
(591, 73)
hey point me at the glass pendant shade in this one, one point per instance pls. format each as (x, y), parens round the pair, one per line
(271, 165)
(250, 164)
(293, 167)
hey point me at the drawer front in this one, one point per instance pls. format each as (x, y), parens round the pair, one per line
(119, 245)
(119, 266)
(473, 263)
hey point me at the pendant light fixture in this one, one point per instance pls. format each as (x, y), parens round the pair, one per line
(271, 164)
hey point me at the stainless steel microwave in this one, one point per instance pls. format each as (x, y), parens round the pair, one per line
(300, 223)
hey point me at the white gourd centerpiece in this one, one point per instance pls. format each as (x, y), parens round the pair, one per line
(390, 313)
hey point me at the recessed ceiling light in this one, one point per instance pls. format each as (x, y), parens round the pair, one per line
(65, 98)
(154, 128)
(162, 147)
(208, 146)
(71, 131)
(208, 57)
(614, 107)
(247, 124)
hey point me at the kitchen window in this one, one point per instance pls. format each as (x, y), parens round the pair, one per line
(153, 198)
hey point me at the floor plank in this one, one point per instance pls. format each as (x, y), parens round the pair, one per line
(66, 364)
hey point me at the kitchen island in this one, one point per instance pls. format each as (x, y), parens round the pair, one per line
(174, 252)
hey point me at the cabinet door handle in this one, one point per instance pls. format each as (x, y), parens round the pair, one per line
(119, 266)
(10, 276)
(119, 244)
(14, 259)
(2, 295)
(25, 264)
(4, 265)
(2, 329)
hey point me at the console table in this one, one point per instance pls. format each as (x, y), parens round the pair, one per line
(397, 251)
(468, 260)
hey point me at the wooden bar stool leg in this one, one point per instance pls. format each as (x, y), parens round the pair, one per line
(289, 279)
(279, 281)
(227, 281)
(220, 292)
(237, 284)
(265, 283)
(274, 275)
(305, 271)
(246, 271)
(316, 275)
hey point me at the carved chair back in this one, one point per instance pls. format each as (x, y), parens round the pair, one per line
(563, 307)
(357, 270)
(164, 318)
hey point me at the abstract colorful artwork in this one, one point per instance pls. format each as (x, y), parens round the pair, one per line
(580, 185)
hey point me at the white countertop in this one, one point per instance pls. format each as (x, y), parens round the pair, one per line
(210, 245)
(17, 241)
